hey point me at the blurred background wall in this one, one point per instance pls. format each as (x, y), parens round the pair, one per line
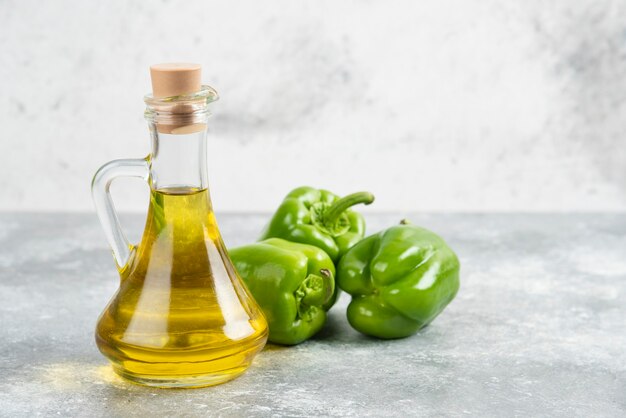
(459, 105)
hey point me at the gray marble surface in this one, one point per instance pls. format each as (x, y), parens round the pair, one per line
(536, 330)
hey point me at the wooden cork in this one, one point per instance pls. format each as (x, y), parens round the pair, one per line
(175, 79)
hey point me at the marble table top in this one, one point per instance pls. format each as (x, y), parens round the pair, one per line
(537, 329)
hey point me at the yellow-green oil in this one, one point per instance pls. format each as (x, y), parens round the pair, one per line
(181, 317)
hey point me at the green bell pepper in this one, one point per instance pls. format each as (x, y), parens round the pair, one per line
(400, 279)
(319, 218)
(293, 284)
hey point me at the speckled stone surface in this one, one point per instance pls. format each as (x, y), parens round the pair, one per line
(538, 329)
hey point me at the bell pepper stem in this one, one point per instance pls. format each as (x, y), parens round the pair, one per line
(329, 284)
(340, 206)
(322, 292)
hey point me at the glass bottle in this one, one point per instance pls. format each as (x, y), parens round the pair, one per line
(181, 317)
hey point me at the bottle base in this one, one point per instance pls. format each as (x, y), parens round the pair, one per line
(181, 382)
(182, 368)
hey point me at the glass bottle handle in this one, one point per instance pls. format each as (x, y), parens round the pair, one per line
(100, 186)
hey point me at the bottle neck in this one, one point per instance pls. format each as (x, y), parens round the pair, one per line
(178, 160)
(178, 130)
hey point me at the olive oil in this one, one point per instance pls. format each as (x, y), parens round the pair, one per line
(181, 316)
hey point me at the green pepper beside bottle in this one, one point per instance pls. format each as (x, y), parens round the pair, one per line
(293, 284)
(320, 218)
(400, 279)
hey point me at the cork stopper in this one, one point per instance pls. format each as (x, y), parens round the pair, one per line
(175, 79)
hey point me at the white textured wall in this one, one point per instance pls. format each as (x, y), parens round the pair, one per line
(447, 105)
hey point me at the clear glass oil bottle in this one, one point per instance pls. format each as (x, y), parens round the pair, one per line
(181, 317)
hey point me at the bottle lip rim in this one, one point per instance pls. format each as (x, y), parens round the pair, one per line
(206, 94)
